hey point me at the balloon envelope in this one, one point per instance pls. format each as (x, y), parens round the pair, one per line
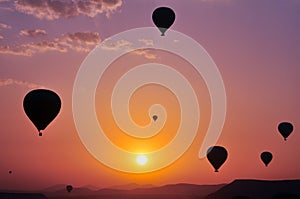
(285, 129)
(163, 18)
(217, 155)
(69, 188)
(266, 157)
(41, 106)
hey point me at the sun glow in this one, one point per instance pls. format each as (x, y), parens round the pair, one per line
(141, 159)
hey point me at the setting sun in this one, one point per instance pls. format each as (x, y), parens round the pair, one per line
(141, 159)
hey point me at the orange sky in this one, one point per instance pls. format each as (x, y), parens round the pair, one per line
(255, 45)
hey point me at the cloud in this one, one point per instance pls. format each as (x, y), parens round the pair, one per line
(28, 49)
(6, 82)
(44, 46)
(86, 38)
(79, 41)
(147, 42)
(33, 33)
(4, 26)
(55, 9)
(115, 45)
(127, 46)
(1, 37)
(18, 50)
(146, 53)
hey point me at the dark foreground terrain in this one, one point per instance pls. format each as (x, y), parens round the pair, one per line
(238, 189)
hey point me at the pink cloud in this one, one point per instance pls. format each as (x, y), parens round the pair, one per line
(147, 42)
(4, 26)
(85, 38)
(79, 41)
(116, 45)
(44, 46)
(33, 33)
(6, 82)
(126, 45)
(17, 50)
(146, 53)
(55, 9)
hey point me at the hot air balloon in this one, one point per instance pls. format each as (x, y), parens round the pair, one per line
(154, 117)
(41, 106)
(266, 157)
(10, 172)
(285, 129)
(163, 18)
(216, 155)
(69, 188)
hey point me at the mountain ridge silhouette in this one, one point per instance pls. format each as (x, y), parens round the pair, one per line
(239, 188)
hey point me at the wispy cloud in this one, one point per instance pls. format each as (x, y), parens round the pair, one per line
(33, 33)
(17, 50)
(4, 26)
(127, 46)
(146, 53)
(147, 42)
(79, 41)
(1, 37)
(55, 9)
(7, 82)
(86, 38)
(115, 45)
(28, 49)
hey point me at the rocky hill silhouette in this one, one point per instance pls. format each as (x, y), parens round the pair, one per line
(22, 196)
(258, 189)
(238, 189)
(167, 191)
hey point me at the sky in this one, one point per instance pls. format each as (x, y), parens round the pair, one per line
(255, 45)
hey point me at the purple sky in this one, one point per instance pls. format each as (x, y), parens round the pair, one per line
(255, 44)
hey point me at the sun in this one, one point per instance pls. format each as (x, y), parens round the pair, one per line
(141, 159)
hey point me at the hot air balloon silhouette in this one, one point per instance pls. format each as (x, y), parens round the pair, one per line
(41, 106)
(266, 157)
(10, 172)
(154, 117)
(69, 188)
(285, 129)
(163, 18)
(217, 155)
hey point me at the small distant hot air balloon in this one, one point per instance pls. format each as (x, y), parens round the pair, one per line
(41, 106)
(69, 188)
(285, 129)
(163, 18)
(266, 157)
(216, 155)
(154, 117)
(10, 172)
